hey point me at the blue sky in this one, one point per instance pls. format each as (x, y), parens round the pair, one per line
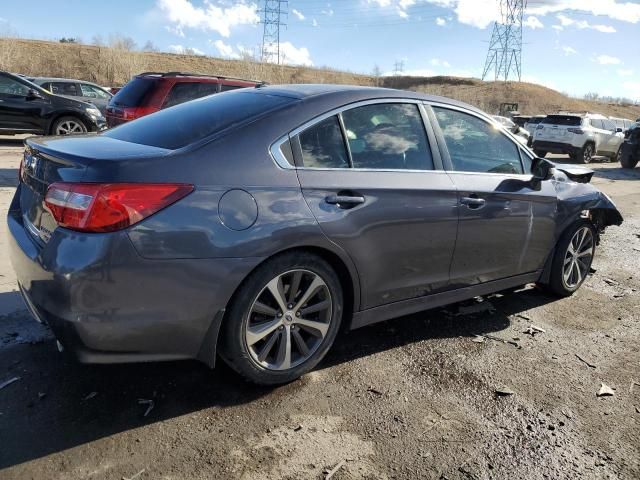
(574, 46)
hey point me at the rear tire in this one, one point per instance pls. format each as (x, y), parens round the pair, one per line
(272, 334)
(585, 154)
(68, 126)
(627, 160)
(572, 259)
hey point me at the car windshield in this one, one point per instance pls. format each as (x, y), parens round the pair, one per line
(568, 120)
(134, 92)
(184, 124)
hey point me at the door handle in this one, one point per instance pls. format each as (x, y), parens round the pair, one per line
(345, 201)
(473, 202)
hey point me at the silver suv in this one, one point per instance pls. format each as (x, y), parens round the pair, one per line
(581, 136)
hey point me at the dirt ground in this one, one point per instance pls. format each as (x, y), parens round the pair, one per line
(410, 398)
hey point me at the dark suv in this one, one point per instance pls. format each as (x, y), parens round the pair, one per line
(151, 91)
(27, 108)
(630, 150)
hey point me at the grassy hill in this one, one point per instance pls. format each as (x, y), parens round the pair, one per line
(112, 67)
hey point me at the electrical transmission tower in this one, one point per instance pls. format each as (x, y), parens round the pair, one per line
(272, 14)
(398, 68)
(504, 58)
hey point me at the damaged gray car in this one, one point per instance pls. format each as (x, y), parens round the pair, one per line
(252, 225)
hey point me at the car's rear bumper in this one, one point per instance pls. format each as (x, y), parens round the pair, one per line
(106, 304)
(554, 147)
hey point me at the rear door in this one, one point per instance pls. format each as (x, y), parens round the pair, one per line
(612, 138)
(507, 223)
(376, 187)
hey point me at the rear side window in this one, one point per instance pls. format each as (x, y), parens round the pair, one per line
(63, 88)
(134, 93)
(189, 122)
(596, 123)
(323, 145)
(185, 91)
(477, 146)
(566, 120)
(387, 136)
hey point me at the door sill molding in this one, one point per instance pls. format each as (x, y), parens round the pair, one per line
(406, 307)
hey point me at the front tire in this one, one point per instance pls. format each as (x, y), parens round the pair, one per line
(283, 319)
(627, 160)
(68, 126)
(572, 259)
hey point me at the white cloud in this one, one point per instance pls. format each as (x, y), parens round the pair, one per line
(607, 60)
(533, 23)
(614, 9)
(568, 50)
(215, 16)
(557, 27)
(441, 22)
(295, 56)
(175, 30)
(581, 24)
(314, 22)
(185, 50)
(298, 14)
(625, 72)
(436, 62)
(225, 50)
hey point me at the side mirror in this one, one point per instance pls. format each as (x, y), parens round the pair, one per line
(33, 94)
(541, 169)
(618, 130)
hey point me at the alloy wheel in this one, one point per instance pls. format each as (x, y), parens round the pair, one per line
(588, 153)
(288, 320)
(69, 127)
(578, 258)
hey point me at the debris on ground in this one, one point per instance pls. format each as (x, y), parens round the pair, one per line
(150, 404)
(90, 396)
(135, 476)
(375, 391)
(605, 391)
(588, 364)
(633, 383)
(334, 470)
(523, 316)
(533, 330)
(8, 382)
(297, 428)
(504, 392)
(478, 339)
(498, 339)
(610, 281)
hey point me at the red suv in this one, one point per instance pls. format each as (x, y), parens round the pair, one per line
(151, 91)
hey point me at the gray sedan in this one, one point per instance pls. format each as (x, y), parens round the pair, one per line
(76, 89)
(254, 224)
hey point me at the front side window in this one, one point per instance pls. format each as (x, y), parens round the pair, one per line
(477, 146)
(609, 125)
(323, 145)
(63, 88)
(93, 92)
(10, 87)
(387, 136)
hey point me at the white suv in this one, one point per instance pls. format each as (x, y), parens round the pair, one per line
(581, 136)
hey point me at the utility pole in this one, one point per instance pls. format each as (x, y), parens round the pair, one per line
(398, 67)
(272, 14)
(504, 57)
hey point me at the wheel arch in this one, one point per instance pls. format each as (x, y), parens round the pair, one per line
(67, 113)
(348, 280)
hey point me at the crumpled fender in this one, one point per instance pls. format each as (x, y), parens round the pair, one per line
(575, 198)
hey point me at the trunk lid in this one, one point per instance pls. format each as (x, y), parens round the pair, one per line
(65, 159)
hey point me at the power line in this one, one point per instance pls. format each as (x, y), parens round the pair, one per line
(504, 57)
(272, 14)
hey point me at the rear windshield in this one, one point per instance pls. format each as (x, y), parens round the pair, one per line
(184, 124)
(134, 93)
(569, 120)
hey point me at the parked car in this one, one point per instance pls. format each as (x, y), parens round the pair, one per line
(521, 134)
(581, 136)
(630, 151)
(532, 123)
(255, 223)
(149, 92)
(85, 91)
(28, 108)
(622, 123)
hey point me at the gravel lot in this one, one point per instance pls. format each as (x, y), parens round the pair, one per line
(414, 397)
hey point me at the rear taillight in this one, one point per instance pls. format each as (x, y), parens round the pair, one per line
(577, 131)
(131, 113)
(106, 207)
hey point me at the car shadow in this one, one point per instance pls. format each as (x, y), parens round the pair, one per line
(618, 173)
(58, 404)
(8, 177)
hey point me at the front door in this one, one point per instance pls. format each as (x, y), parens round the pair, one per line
(17, 112)
(506, 221)
(369, 177)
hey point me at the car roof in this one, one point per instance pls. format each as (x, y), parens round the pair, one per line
(352, 93)
(63, 80)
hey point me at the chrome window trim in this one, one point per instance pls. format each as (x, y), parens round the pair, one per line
(486, 118)
(277, 154)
